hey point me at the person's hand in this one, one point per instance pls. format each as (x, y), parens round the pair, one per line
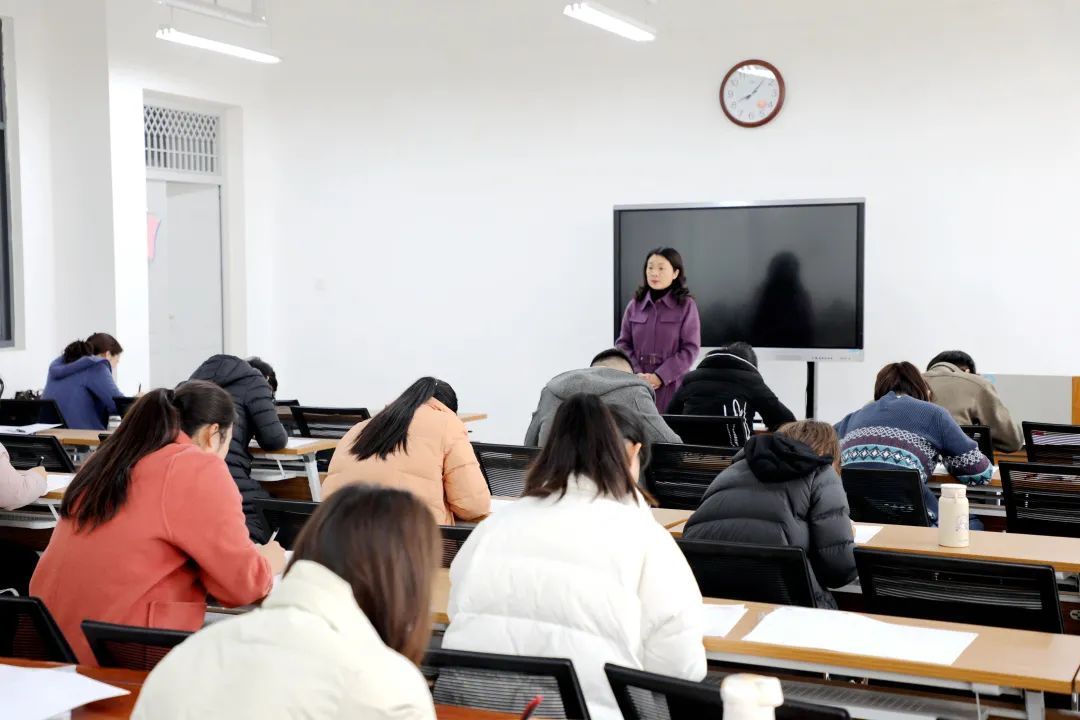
(653, 379)
(274, 554)
(40, 471)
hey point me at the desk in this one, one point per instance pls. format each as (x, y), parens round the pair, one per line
(285, 415)
(671, 518)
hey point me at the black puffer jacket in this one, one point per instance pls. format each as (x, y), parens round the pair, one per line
(256, 417)
(728, 385)
(778, 492)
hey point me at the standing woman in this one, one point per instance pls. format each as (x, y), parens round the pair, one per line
(661, 330)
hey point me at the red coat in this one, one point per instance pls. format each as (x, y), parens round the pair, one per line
(180, 535)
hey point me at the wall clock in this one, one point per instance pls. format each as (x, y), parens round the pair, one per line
(752, 93)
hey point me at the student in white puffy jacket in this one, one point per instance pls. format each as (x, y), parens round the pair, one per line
(578, 568)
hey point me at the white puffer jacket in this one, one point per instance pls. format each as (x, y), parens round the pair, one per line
(591, 579)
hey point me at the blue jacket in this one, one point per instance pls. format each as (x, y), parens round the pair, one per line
(84, 390)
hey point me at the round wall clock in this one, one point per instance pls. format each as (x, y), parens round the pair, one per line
(752, 93)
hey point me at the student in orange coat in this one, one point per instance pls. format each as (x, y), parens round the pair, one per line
(153, 522)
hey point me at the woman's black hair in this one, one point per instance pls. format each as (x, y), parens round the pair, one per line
(99, 489)
(632, 429)
(959, 358)
(266, 369)
(388, 431)
(679, 289)
(96, 344)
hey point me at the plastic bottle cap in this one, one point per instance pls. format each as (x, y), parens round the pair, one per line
(747, 689)
(953, 490)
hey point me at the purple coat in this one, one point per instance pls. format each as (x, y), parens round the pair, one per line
(662, 338)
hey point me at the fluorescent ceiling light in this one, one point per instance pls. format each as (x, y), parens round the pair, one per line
(605, 19)
(174, 35)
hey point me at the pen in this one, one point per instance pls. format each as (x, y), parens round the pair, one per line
(41, 461)
(531, 707)
(272, 536)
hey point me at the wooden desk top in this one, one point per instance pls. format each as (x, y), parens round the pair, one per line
(995, 481)
(671, 518)
(90, 438)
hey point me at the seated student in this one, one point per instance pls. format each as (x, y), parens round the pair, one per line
(577, 568)
(341, 636)
(611, 378)
(81, 382)
(252, 387)
(416, 443)
(727, 382)
(902, 429)
(18, 488)
(971, 399)
(783, 489)
(152, 523)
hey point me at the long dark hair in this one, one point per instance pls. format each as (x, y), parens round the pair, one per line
(902, 378)
(100, 488)
(384, 543)
(584, 441)
(388, 431)
(679, 289)
(96, 344)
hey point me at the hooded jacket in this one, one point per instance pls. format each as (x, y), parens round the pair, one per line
(615, 388)
(84, 390)
(778, 492)
(256, 417)
(730, 386)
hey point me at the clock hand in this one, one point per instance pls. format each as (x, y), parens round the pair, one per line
(754, 90)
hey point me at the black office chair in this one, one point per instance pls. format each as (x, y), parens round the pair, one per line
(504, 467)
(979, 592)
(1041, 499)
(505, 683)
(28, 632)
(891, 497)
(29, 451)
(983, 438)
(1052, 443)
(758, 573)
(132, 648)
(453, 537)
(711, 430)
(327, 422)
(30, 412)
(286, 418)
(287, 517)
(679, 475)
(123, 404)
(648, 696)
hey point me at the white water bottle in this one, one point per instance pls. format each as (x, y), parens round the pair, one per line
(953, 516)
(751, 697)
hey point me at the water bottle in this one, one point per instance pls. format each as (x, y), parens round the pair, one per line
(953, 516)
(751, 697)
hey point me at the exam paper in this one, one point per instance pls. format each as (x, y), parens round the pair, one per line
(720, 619)
(57, 482)
(25, 429)
(40, 693)
(864, 533)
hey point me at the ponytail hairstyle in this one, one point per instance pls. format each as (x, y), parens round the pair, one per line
(100, 487)
(96, 344)
(387, 432)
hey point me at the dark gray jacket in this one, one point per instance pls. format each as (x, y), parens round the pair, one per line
(778, 492)
(613, 387)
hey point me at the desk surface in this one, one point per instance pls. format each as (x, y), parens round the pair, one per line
(90, 438)
(285, 413)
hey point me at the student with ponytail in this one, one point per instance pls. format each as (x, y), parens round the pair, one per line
(417, 443)
(152, 523)
(81, 381)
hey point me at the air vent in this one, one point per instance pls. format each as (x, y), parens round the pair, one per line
(181, 140)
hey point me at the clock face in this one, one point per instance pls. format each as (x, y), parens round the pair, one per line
(752, 93)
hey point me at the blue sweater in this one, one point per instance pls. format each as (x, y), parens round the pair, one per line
(84, 390)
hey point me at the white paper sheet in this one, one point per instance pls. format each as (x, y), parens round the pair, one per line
(277, 578)
(865, 533)
(57, 482)
(720, 619)
(25, 429)
(859, 635)
(940, 469)
(37, 694)
(294, 442)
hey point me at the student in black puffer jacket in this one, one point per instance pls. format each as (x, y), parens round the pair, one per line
(256, 417)
(783, 489)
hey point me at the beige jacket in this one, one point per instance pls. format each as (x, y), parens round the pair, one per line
(18, 487)
(440, 466)
(972, 400)
(308, 652)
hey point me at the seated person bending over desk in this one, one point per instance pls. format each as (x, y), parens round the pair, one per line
(971, 399)
(577, 568)
(416, 443)
(18, 488)
(901, 429)
(81, 382)
(152, 523)
(341, 636)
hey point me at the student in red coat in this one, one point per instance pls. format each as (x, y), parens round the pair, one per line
(152, 523)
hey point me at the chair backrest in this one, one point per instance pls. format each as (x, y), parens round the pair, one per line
(327, 422)
(892, 497)
(711, 430)
(505, 683)
(123, 404)
(287, 517)
(679, 475)
(133, 648)
(758, 573)
(982, 437)
(28, 632)
(30, 412)
(647, 696)
(504, 467)
(1052, 443)
(453, 537)
(980, 592)
(28, 451)
(1041, 499)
